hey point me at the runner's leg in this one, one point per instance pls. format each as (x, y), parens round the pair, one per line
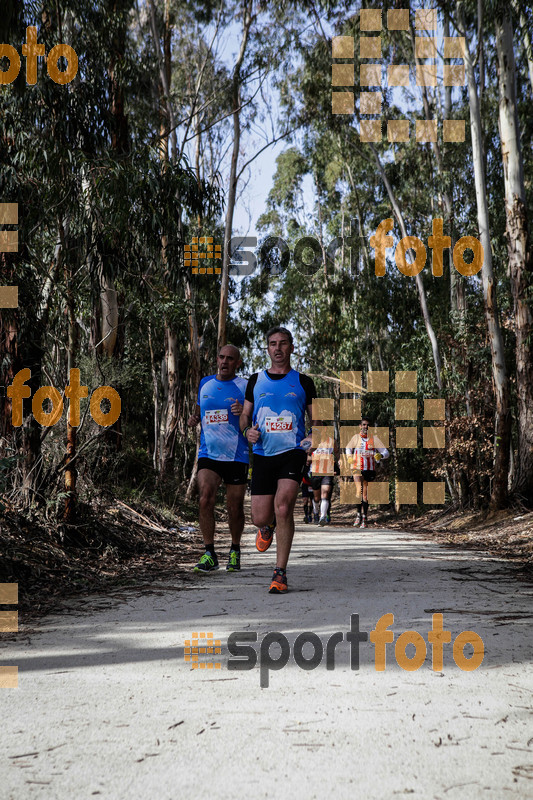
(208, 483)
(326, 492)
(357, 479)
(365, 500)
(235, 505)
(324, 500)
(284, 502)
(262, 509)
(316, 504)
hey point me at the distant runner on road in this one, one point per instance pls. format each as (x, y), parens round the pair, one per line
(365, 451)
(323, 461)
(307, 492)
(273, 420)
(223, 455)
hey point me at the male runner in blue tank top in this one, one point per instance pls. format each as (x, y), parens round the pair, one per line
(273, 420)
(223, 455)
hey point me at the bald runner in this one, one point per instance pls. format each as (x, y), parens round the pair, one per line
(223, 455)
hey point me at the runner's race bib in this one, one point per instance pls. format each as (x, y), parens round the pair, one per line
(219, 417)
(278, 424)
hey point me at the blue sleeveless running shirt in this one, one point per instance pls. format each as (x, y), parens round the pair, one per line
(221, 438)
(279, 408)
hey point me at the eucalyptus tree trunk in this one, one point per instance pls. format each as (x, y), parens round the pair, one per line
(10, 356)
(168, 422)
(457, 289)
(193, 381)
(232, 190)
(457, 293)
(418, 278)
(526, 38)
(457, 282)
(71, 472)
(170, 416)
(110, 313)
(171, 419)
(502, 430)
(111, 343)
(519, 251)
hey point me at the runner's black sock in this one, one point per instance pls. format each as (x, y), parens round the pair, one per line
(280, 571)
(210, 548)
(358, 507)
(235, 547)
(365, 508)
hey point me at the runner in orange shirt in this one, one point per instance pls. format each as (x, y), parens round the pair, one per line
(364, 452)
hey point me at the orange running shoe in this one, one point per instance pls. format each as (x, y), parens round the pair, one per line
(264, 537)
(279, 582)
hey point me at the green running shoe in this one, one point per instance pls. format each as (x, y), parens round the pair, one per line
(234, 561)
(207, 563)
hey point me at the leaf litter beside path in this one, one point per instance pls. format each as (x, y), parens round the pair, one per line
(113, 546)
(506, 534)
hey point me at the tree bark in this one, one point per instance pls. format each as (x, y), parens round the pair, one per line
(10, 358)
(232, 191)
(20, 347)
(526, 37)
(519, 252)
(418, 278)
(110, 313)
(170, 375)
(71, 472)
(499, 495)
(457, 294)
(170, 415)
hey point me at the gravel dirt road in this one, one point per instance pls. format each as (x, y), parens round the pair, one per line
(108, 707)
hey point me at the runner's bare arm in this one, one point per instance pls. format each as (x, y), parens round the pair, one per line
(351, 447)
(252, 434)
(236, 408)
(308, 439)
(195, 418)
(381, 450)
(246, 415)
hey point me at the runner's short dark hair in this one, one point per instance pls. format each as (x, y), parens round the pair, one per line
(367, 419)
(277, 329)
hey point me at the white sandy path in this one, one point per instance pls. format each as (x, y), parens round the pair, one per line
(108, 708)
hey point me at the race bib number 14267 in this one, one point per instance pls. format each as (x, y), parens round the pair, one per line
(278, 424)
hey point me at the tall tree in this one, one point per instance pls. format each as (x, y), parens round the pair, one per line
(236, 100)
(502, 430)
(519, 250)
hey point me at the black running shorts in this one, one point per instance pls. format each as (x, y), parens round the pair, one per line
(231, 472)
(317, 481)
(307, 491)
(268, 470)
(368, 474)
